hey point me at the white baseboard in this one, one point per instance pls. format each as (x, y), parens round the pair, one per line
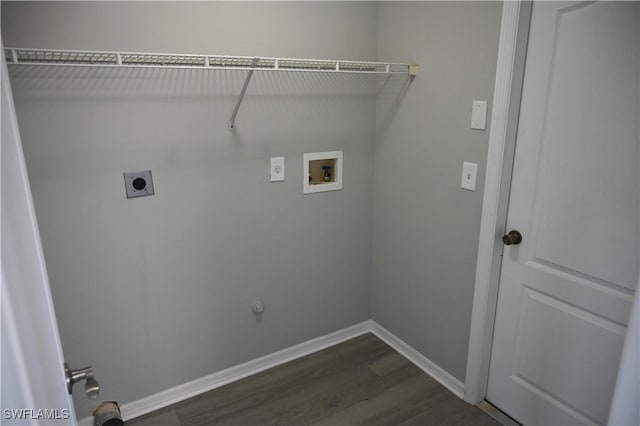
(421, 361)
(187, 390)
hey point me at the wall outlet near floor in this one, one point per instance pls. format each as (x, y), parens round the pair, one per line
(257, 307)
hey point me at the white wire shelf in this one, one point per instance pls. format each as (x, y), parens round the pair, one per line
(19, 56)
(86, 58)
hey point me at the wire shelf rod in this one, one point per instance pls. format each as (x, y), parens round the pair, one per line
(49, 57)
(89, 58)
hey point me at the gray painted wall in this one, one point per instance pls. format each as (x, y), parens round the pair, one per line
(426, 228)
(156, 291)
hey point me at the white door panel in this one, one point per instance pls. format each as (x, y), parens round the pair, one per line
(566, 291)
(33, 386)
(587, 294)
(551, 332)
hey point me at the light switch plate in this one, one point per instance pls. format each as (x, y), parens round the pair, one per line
(479, 115)
(277, 169)
(469, 172)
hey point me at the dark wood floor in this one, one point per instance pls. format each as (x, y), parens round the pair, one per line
(359, 382)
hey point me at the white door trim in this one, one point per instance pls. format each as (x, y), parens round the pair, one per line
(514, 32)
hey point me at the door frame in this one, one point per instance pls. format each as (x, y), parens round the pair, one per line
(514, 34)
(512, 49)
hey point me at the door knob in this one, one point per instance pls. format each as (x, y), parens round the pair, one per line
(91, 386)
(513, 237)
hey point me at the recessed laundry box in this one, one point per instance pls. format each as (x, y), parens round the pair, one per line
(322, 171)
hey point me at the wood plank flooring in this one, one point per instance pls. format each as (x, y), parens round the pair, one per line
(359, 382)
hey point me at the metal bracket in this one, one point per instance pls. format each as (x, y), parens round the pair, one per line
(232, 120)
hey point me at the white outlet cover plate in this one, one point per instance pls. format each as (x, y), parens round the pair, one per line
(277, 169)
(479, 115)
(469, 173)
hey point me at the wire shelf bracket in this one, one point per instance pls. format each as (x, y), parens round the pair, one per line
(86, 58)
(232, 120)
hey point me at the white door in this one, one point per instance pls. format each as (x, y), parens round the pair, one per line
(567, 289)
(33, 385)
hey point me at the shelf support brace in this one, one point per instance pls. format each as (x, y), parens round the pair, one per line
(232, 120)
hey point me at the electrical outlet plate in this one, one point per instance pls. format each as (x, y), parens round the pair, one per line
(277, 169)
(138, 184)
